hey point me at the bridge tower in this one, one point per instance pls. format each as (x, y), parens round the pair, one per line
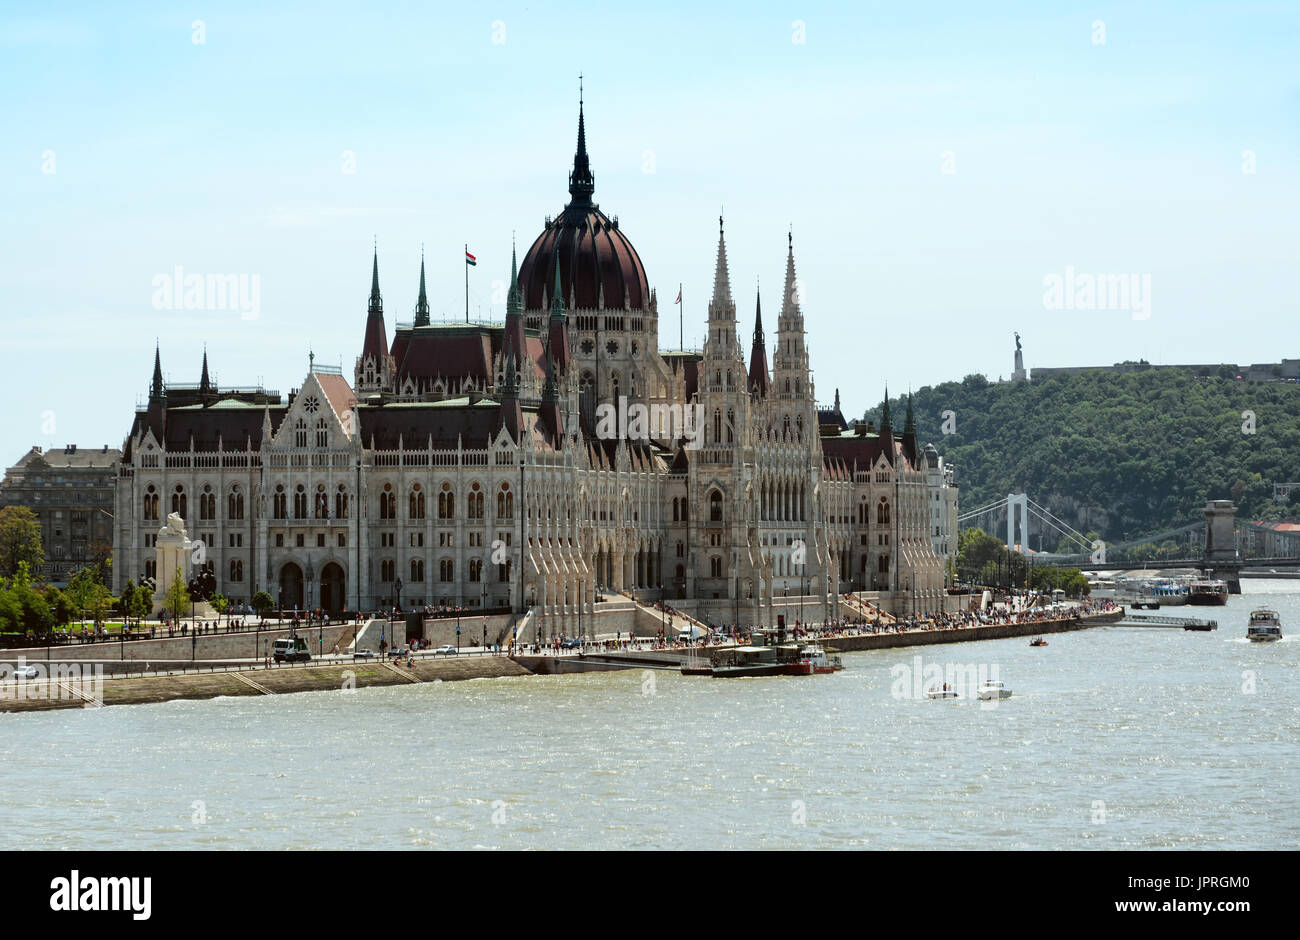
(1017, 501)
(1220, 530)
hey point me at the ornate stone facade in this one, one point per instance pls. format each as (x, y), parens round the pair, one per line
(468, 463)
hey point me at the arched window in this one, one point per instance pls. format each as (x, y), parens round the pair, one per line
(235, 503)
(322, 433)
(681, 549)
(151, 503)
(300, 433)
(446, 570)
(882, 512)
(798, 427)
(717, 426)
(281, 506)
(236, 570)
(715, 567)
(675, 511)
(731, 423)
(341, 502)
(883, 567)
(388, 504)
(476, 569)
(151, 568)
(785, 428)
(416, 502)
(386, 570)
(417, 569)
(300, 502)
(207, 503)
(320, 503)
(474, 508)
(505, 502)
(715, 506)
(179, 502)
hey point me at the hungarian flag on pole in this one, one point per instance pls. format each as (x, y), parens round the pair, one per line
(470, 259)
(679, 296)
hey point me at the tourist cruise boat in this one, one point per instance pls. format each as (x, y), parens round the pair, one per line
(813, 661)
(991, 690)
(1208, 593)
(1264, 627)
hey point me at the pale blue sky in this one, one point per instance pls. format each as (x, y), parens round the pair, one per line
(226, 157)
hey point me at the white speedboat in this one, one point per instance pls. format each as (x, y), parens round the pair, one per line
(946, 692)
(992, 689)
(1264, 627)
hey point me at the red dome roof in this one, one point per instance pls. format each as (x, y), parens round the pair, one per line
(595, 256)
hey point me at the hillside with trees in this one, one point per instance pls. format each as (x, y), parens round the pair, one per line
(1119, 455)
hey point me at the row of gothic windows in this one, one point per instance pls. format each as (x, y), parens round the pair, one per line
(446, 502)
(180, 503)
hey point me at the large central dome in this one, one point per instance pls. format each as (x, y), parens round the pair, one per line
(598, 265)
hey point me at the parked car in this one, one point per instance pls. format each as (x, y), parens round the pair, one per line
(364, 654)
(445, 650)
(26, 672)
(570, 644)
(397, 652)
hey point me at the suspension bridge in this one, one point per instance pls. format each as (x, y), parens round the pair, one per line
(1211, 540)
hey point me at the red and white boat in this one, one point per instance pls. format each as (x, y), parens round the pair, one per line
(813, 661)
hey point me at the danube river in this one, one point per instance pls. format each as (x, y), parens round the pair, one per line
(1115, 737)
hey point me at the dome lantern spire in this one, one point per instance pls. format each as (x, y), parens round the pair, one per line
(581, 182)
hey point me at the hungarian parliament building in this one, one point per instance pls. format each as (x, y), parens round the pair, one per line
(467, 464)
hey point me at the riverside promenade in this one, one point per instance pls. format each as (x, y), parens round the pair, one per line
(78, 685)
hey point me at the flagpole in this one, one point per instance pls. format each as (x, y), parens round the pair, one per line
(467, 284)
(681, 317)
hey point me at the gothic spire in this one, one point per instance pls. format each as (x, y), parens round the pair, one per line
(513, 304)
(886, 423)
(204, 384)
(758, 382)
(909, 424)
(557, 299)
(376, 301)
(790, 302)
(581, 183)
(156, 387)
(422, 304)
(721, 301)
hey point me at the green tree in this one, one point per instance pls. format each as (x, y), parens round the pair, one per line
(219, 603)
(62, 610)
(178, 598)
(87, 591)
(20, 540)
(33, 612)
(142, 602)
(262, 602)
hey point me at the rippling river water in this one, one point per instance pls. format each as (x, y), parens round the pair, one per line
(1114, 737)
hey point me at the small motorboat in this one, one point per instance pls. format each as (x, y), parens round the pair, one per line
(946, 692)
(991, 690)
(1265, 626)
(1038, 641)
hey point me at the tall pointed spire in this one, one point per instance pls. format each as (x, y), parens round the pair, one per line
(421, 304)
(204, 384)
(886, 422)
(376, 301)
(790, 302)
(721, 302)
(909, 424)
(557, 298)
(758, 382)
(513, 304)
(156, 389)
(581, 183)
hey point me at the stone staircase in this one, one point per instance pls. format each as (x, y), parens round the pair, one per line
(866, 609)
